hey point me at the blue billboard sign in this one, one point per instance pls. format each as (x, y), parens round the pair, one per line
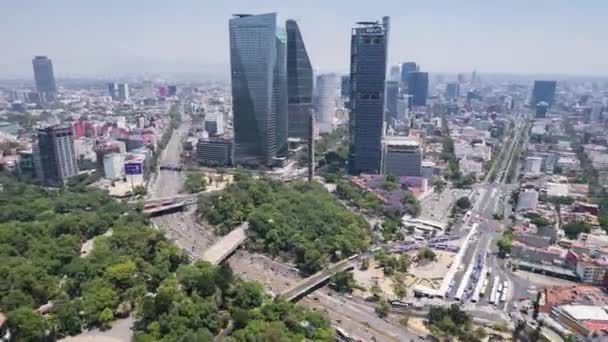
(133, 168)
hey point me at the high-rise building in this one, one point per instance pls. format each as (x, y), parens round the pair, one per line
(418, 86)
(328, 97)
(299, 83)
(172, 90)
(452, 90)
(401, 157)
(541, 109)
(392, 95)
(406, 68)
(113, 90)
(596, 111)
(345, 86)
(395, 73)
(54, 155)
(44, 77)
(367, 81)
(543, 91)
(123, 91)
(259, 89)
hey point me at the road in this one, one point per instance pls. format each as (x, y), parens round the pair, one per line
(490, 194)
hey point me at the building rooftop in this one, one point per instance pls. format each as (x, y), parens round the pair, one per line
(400, 140)
(575, 294)
(586, 312)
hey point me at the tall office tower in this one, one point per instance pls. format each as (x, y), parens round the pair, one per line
(44, 77)
(392, 94)
(543, 91)
(541, 109)
(345, 86)
(452, 90)
(395, 73)
(259, 89)
(172, 90)
(406, 68)
(54, 155)
(299, 84)
(113, 90)
(596, 111)
(418, 86)
(367, 81)
(328, 95)
(123, 91)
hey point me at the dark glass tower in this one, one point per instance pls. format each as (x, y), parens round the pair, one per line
(543, 91)
(406, 68)
(367, 80)
(54, 155)
(392, 94)
(299, 83)
(259, 89)
(418, 86)
(44, 76)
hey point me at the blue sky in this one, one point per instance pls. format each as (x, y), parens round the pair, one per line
(111, 37)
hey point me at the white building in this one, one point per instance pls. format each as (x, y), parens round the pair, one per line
(114, 166)
(214, 124)
(533, 165)
(328, 97)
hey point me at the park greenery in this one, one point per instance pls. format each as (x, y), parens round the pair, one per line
(343, 282)
(195, 182)
(363, 200)
(300, 221)
(575, 228)
(132, 269)
(453, 323)
(426, 254)
(391, 264)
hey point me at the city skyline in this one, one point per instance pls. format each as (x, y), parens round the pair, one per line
(116, 38)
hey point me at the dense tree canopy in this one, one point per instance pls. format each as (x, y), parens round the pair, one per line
(300, 221)
(131, 266)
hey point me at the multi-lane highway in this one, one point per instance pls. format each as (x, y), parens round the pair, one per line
(482, 251)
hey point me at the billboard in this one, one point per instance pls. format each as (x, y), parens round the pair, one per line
(133, 168)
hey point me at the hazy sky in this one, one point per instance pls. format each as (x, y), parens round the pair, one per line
(111, 37)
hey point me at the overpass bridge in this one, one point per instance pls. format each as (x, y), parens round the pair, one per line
(223, 248)
(305, 286)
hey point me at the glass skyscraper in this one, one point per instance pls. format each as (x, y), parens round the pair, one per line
(299, 84)
(543, 91)
(259, 89)
(367, 81)
(44, 77)
(406, 68)
(418, 86)
(392, 95)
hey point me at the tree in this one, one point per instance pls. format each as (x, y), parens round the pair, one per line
(382, 308)
(105, 318)
(438, 186)
(426, 254)
(364, 264)
(399, 287)
(573, 229)
(139, 191)
(195, 182)
(343, 282)
(27, 325)
(463, 203)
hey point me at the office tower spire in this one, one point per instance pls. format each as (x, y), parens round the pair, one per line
(367, 75)
(299, 83)
(259, 89)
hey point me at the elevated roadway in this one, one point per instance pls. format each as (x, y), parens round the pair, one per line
(311, 283)
(223, 248)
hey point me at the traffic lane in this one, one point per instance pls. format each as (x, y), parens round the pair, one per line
(361, 318)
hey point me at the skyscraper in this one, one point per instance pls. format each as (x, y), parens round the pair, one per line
(392, 94)
(44, 77)
(113, 90)
(367, 81)
(543, 91)
(328, 95)
(345, 87)
(452, 90)
(406, 68)
(123, 91)
(418, 86)
(54, 155)
(299, 84)
(259, 89)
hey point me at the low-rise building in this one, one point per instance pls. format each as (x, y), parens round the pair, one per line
(214, 152)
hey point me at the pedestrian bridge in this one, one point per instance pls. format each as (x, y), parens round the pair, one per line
(223, 248)
(305, 286)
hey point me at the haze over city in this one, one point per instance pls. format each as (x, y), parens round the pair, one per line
(114, 37)
(323, 171)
